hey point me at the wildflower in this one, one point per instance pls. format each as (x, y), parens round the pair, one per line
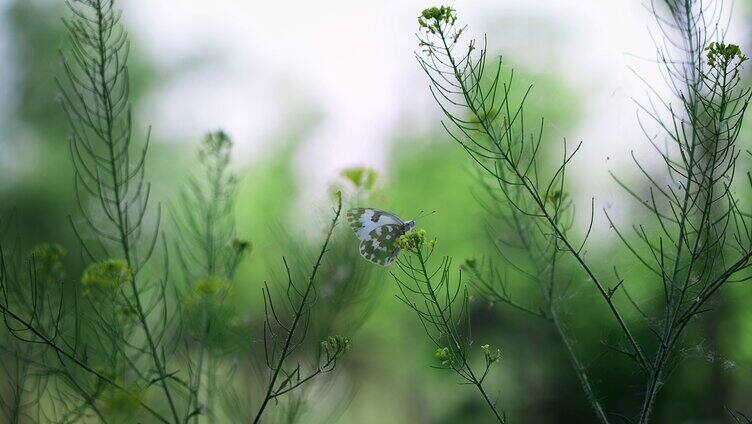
(432, 18)
(486, 349)
(110, 273)
(443, 355)
(210, 293)
(48, 260)
(405, 242)
(210, 301)
(490, 356)
(412, 240)
(335, 345)
(725, 52)
(209, 286)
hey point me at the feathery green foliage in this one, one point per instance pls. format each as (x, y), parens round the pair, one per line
(444, 312)
(704, 239)
(283, 336)
(208, 253)
(148, 320)
(129, 340)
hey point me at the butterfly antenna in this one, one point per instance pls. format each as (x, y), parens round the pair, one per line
(422, 214)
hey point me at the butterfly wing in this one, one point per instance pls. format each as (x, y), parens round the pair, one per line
(378, 247)
(364, 220)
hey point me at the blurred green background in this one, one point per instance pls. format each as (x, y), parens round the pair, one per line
(387, 377)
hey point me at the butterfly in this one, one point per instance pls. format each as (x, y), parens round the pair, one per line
(378, 230)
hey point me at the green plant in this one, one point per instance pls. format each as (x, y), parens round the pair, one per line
(132, 318)
(443, 310)
(208, 253)
(283, 336)
(129, 340)
(701, 238)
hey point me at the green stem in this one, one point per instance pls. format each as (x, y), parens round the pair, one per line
(104, 62)
(298, 316)
(63, 353)
(450, 330)
(639, 355)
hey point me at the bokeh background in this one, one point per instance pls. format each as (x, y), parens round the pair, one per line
(307, 89)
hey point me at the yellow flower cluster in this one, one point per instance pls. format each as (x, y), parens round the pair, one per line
(335, 345)
(724, 53)
(443, 355)
(432, 18)
(209, 286)
(210, 302)
(209, 291)
(48, 260)
(414, 239)
(107, 274)
(490, 356)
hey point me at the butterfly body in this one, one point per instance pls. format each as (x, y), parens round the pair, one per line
(378, 230)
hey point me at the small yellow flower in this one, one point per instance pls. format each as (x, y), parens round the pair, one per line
(491, 357)
(432, 18)
(110, 273)
(724, 53)
(336, 345)
(403, 242)
(442, 354)
(209, 286)
(413, 240)
(48, 260)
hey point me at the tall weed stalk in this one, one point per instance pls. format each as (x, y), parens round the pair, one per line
(130, 340)
(702, 238)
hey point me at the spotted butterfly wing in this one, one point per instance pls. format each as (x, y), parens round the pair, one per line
(379, 247)
(377, 231)
(365, 220)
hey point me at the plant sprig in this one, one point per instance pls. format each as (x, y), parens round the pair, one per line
(704, 240)
(443, 310)
(284, 335)
(96, 90)
(208, 253)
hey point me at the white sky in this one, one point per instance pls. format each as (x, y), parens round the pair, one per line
(263, 64)
(353, 61)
